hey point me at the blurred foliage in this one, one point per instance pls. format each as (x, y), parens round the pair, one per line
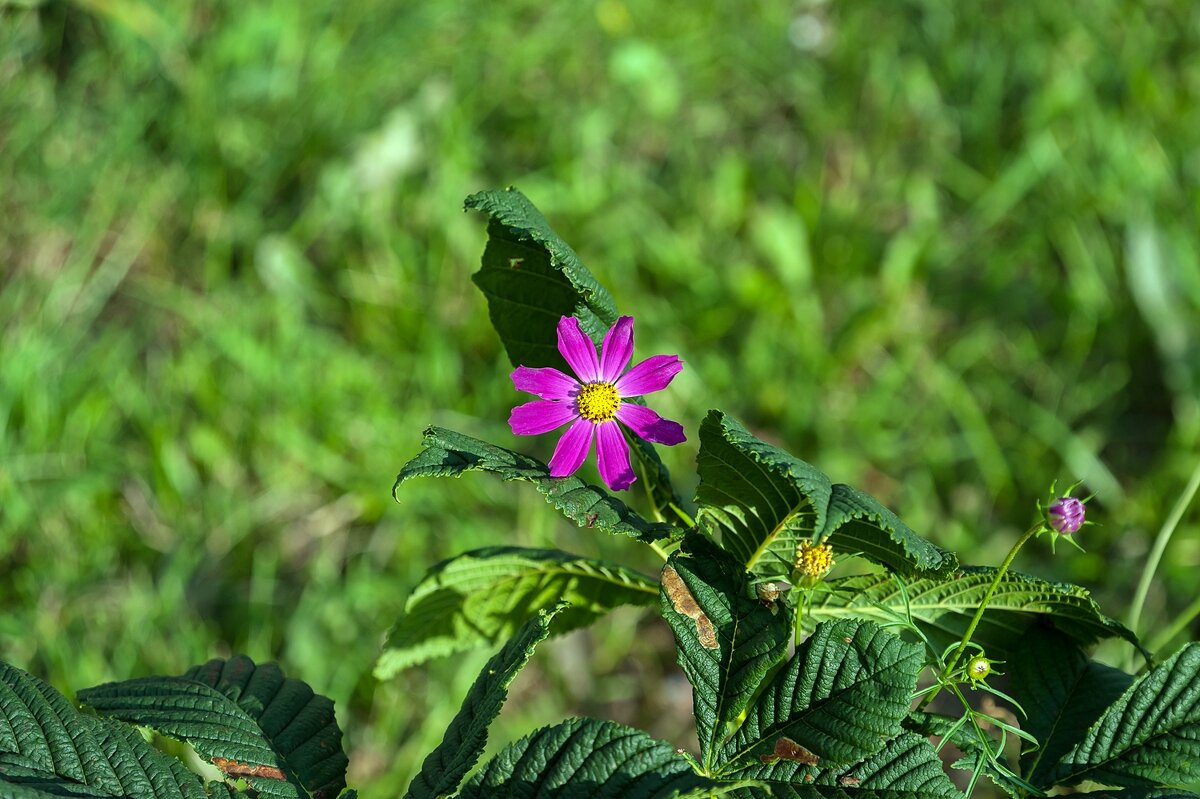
(945, 253)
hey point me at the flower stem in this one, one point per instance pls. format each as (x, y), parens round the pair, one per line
(987, 597)
(683, 515)
(1160, 546)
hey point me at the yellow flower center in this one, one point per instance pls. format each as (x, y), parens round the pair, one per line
(814, 560)
(598, 402)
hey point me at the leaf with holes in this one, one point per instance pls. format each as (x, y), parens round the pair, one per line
(943, 608)
(481, 597)
(250, 721)
(466, 737)
(906, 767)
(837, 701)
(727, 642)
(1150, 736)
(763, 502)
(450, 454)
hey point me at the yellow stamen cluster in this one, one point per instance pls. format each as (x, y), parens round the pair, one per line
(814, 560)
(598, 402)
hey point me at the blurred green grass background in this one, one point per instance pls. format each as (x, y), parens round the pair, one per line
(947, 253)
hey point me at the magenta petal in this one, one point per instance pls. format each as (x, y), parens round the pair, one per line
(572, 448)
(540, 416)
(578, 349)
(653, 374)
(617, 349)
(547, 382)
(649, 425)
(612, 454)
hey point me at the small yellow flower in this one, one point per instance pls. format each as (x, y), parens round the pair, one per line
(813, 561)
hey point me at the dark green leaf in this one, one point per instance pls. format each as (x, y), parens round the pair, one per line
(47, 748)
(907, 767)
(1063, 692)
(838, 700)
(726, 640)
(1150, 736)
(1140, 793)
(466, 737)
(856, 522)
(763, 502)
(41, 727)
(532, 278)
(587, 759)
(450, 454)
(250, 721)
(943, 608)
(481, 597)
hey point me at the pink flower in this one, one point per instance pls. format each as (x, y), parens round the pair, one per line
(595, 403)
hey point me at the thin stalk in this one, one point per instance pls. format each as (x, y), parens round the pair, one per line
(1160, 546)
(1177, 626)
(683, 515)
(966, 639)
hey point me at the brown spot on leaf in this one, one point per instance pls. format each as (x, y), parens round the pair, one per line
(236, 769)
(787, 749)
(848, 780)
(685, 604)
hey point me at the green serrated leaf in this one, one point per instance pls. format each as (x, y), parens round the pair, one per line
(532, 278)
(1150, 736)
(587, 759)
(726, 641)
(43, 729)
(857, 522)
(1139, 793)
(250, 721)
(760, 499)
(450, 454)
(907, 767)
(963, 737)
(47, 748)
(466, 736)
(837, 702)
(481, 597)
(942, 608)
(763, 502)
(1063, 692)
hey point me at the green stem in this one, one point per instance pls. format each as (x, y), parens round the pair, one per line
(683, 515)
(662, 553)
(987, 597)
(800, 615)
(1160, 546)
(1176, 627)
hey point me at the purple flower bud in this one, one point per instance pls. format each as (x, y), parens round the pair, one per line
(1066, 515)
